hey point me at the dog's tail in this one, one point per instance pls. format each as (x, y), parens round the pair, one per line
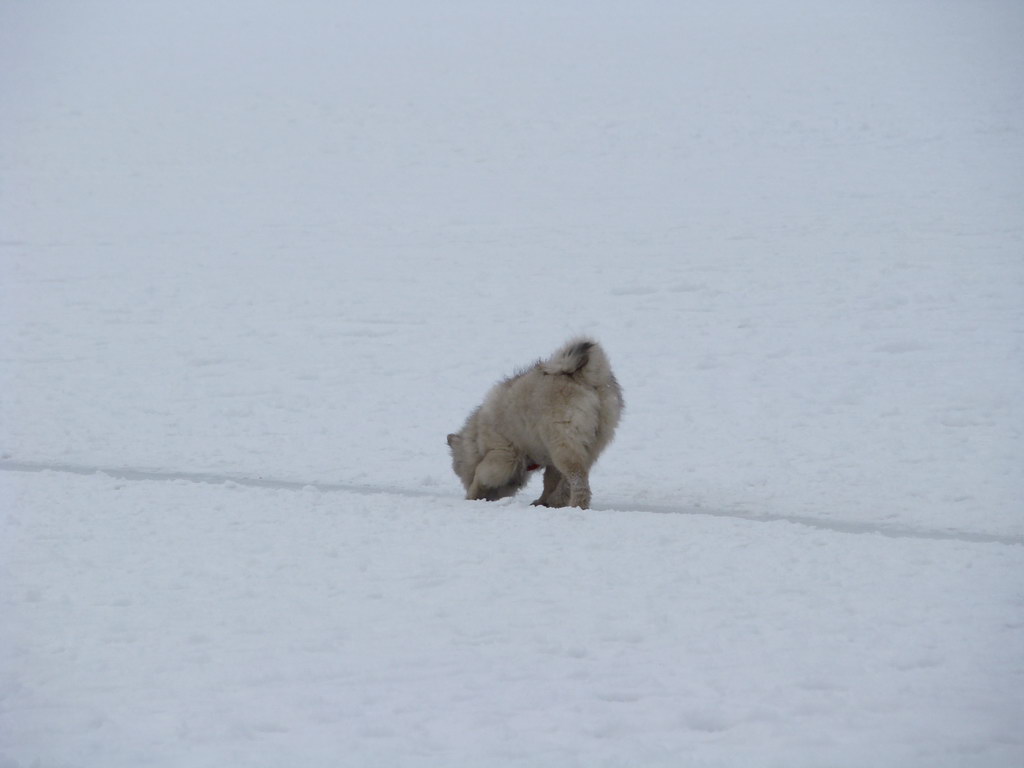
(581, 358)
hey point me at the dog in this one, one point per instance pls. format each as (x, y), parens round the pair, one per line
(559, 414)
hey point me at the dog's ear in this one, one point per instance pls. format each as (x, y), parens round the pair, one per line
(453, 440)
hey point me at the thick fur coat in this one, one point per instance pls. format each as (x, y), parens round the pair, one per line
(558, 414)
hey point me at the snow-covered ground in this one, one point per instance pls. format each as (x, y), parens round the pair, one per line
(178, 623)
(259, 258)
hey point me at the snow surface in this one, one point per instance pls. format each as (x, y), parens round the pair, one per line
(259, 258)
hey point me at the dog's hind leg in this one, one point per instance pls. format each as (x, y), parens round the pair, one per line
(555, 492)
(576, 476)
(579, 488)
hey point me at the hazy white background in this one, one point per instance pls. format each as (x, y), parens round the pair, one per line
(295, 243)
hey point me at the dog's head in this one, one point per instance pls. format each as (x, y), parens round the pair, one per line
(464, 458)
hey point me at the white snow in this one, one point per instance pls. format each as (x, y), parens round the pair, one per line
(259, 258)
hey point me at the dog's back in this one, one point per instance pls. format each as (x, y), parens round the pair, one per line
(560, 414)
(580, 388)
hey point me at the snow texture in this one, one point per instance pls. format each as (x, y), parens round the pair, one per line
(258, 259)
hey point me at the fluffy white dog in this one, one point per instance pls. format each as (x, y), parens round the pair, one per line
(558, 414)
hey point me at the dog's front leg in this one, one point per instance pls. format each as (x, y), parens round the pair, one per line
(493, 477)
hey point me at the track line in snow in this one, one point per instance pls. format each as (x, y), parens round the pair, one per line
(212, 478)
(839, 526)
